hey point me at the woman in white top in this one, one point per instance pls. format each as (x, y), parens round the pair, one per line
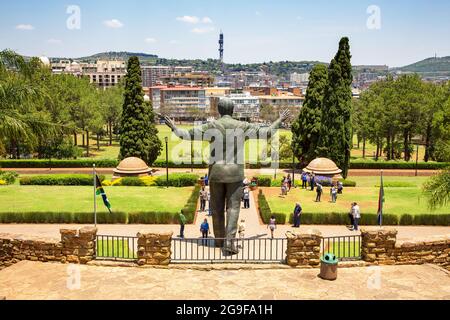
(272, 225)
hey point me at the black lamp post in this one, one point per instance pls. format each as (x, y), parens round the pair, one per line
(167, 161)
(417, 157)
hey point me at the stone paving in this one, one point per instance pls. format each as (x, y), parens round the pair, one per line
(34, 280)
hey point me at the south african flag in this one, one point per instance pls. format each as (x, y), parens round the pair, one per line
(101, 191)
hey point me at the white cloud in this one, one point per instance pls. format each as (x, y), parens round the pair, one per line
(207, 20)
(189, 19)
(26, 27)
(54, 41)
(202, 30)
(150, 40)
(113, 23)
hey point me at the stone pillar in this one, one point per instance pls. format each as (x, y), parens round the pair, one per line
(154, 248)
(303, 249)
(378, 245)
(79, 247)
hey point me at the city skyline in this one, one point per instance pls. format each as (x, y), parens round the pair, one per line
(255, 31)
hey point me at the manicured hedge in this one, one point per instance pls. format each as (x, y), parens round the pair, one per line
(266, 212)
(41, 163)
(400, 165)
(63, 217)
(178, 180)
(59, 180)
(105, 217)
(339, 218)
(112, 163)
(132, 182)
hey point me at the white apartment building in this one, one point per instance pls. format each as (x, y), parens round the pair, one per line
(151, 74)
(104, 73)
(246, 106)
(299, 78)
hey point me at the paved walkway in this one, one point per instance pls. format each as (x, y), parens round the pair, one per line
(33, 280)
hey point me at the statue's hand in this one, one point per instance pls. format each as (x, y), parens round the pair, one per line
(168, 121)
(285, 114)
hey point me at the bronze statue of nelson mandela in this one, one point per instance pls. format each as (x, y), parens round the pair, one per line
(226, 165)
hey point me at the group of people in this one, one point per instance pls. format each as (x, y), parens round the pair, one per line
(286, 185)
(314, 183)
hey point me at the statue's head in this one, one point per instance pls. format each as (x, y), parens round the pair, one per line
(226, 107)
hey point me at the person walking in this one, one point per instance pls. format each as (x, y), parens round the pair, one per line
(312, 181)
(246, 198)
(289, 183)
(333, 192)
(340, 187)
(272, 225)
(182, 223)
(204, 229)
(297, 215)
(304, 180)
(319, 190)
(206, 180)
(203, 198)
(356, 216)
(208, 198)
(350, 215)
(241, 228)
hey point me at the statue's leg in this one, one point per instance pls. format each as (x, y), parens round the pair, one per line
(234, 196)
(217, 193)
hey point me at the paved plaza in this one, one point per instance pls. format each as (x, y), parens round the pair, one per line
(35, 280)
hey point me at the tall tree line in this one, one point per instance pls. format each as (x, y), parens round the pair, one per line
(324, 126)
(397, 114)
(40, 111)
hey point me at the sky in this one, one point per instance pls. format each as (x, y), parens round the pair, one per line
(395, 33)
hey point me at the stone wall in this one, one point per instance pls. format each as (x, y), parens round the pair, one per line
(75, 247)
(303, 249)
(380, 246)
(154, 248)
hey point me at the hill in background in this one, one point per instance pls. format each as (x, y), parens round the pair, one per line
(428, 65)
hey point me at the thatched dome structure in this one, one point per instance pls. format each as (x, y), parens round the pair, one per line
(131, 167)
(323, 167)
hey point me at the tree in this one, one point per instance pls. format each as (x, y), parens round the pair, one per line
(268, 113)
(336, 134)
(20, 94)
(112, 101)
(138, 136)
(437, 188)
(306, 128)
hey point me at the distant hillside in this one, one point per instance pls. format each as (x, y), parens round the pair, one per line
(117, 55)
(428, 65)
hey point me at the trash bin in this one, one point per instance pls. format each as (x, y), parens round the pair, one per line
(328, 267)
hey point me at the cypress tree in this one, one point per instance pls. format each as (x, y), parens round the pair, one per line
(336, 135)
(138, 134)
(306, 128)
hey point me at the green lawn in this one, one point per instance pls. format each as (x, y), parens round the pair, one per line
(343, 249)
(108, 248)
(400, 200)
(80, 199)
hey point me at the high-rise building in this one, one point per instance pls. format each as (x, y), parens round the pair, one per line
(151, 75)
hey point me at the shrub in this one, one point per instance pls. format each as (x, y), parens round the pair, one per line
(45, 163)
(117, 182)
(149, 181)
(178, 180)
(264, 181)
(266, 212)
(60, 180)
(9, 176)
(3, 182)
(348, 183)
(406, 220)
(132, 182)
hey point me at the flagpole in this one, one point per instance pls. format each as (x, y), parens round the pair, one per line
(95, 195)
